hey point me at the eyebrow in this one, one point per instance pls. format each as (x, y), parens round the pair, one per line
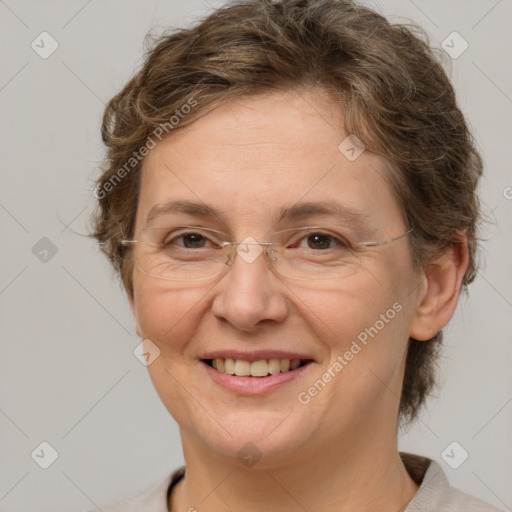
(298, 211)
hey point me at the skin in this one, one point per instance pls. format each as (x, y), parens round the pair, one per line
(250, 157)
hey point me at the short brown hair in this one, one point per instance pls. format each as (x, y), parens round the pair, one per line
(396, 97)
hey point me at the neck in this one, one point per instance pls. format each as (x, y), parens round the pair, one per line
(354, 475)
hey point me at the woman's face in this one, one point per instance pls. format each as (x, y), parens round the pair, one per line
(248, 160)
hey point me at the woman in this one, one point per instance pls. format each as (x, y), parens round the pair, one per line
(289, 199)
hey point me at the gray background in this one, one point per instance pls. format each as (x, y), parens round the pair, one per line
(67, 371)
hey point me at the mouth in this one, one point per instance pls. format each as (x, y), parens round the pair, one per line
(255, 369)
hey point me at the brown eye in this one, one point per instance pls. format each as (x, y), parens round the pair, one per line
(185, 240)
(319, 241)
(193, 240)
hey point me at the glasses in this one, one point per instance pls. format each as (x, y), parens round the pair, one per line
(191, 253)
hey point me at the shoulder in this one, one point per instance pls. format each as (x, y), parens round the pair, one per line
(456, 500)
(435, 494)
(153, 500)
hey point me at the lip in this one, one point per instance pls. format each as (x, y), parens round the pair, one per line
(255, 355)
(252, 386)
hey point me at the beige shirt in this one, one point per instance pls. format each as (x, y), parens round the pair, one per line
(434, 494)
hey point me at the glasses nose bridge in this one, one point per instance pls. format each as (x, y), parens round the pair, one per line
(249, 251)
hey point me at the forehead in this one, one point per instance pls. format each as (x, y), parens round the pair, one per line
(255, 157)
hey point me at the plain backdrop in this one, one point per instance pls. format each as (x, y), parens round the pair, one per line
(67, 370)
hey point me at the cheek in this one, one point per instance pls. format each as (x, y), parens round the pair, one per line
(165, 316)
(364, 344)
(366, 324)
(341, 314)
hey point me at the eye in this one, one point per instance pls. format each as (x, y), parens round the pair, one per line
(174, 239)
(322, 241)
(192, 240)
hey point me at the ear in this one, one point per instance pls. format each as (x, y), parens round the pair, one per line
(131, 300)
(440, 292)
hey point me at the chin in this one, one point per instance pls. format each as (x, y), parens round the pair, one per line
(256, 440)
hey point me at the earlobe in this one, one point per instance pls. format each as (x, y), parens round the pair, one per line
(438, 297)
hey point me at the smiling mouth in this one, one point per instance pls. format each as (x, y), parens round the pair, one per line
(260, 368)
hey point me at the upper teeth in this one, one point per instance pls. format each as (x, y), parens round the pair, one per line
(260, 368)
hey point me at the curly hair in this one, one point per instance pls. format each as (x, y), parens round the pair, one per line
(397, 100)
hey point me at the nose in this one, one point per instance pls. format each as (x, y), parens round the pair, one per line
(249, 293)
